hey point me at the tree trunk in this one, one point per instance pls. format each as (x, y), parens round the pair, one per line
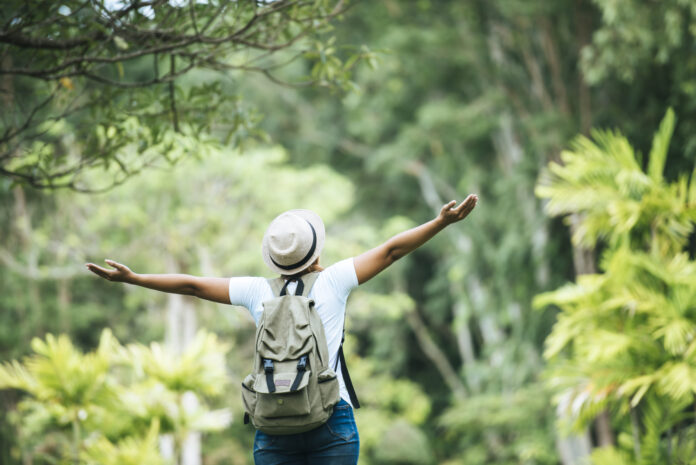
(23, 227)
(584, 262)
(584, 34)
(574, 449)
(180, 331)
(64, 301)
(605, 436)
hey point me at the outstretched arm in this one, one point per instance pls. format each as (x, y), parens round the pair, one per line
(214, 289)
(372, 262)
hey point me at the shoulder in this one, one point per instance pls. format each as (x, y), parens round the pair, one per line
(248, 282)
(344, 268)
(340, 277)
(248, 290)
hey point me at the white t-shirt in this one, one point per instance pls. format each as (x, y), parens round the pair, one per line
(330, 293)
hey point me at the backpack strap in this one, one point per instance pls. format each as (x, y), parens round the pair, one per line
(308, 280)
(346, 376)
(276, 285)
(304, 284)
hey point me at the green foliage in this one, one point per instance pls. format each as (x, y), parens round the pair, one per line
(109, 406)
(104, 90)
(463, 96)
(394, 409)
(127, 451)
(508, 428)
(404, 444)
(626, 338)
(633, 34)
(609, 456)
(604, 182)
(200, 369)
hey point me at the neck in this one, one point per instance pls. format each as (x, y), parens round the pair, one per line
(309, 269)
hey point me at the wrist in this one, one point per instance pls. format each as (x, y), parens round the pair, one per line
(440, 222)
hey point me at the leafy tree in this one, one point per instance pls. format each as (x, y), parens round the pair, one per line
(99, 84)
(625, 337)
(640, 56)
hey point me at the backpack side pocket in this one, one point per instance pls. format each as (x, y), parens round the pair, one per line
(328, 387)
(249, 395)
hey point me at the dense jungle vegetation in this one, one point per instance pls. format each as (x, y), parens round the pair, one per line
(555, 325)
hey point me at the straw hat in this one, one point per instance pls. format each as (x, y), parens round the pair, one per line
(293, 241)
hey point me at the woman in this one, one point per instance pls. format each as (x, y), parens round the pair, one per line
(291, 247)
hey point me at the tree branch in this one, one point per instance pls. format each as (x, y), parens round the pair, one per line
(40, 273)
(51, 44)
(172, 99)
(436, 355)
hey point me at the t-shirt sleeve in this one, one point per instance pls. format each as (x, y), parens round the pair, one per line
(341, 278)
(247, 292)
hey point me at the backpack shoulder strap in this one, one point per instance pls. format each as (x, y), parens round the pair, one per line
(346, 376)
(309, 279)
(277, 284)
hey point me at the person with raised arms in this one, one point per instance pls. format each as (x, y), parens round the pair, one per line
(299, 396)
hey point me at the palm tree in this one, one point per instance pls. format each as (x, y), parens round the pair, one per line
(625, 338)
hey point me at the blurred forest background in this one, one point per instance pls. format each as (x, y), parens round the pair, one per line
(555, 325)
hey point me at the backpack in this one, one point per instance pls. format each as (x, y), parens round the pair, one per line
(291, 388)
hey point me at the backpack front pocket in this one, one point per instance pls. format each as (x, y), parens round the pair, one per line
(288, 398)
(283, 405)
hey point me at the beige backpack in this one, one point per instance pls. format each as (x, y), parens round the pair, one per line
(291, 388)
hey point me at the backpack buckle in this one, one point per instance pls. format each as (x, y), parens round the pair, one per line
(267, 365)
(302, 363)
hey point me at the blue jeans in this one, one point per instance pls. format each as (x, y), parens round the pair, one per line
(336, 442)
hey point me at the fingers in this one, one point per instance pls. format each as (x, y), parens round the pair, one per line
(451, 212)
(105, 273)
(448, 206)
(98, 270)
(468, 204)
(464, 208)
(114, 264)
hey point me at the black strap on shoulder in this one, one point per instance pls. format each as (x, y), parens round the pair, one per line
(298, 290)
(346, 376)
(304, 283)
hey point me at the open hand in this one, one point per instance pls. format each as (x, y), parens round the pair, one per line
(121, 273)
(451, 212)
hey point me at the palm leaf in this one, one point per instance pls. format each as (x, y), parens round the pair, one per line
(660, 145)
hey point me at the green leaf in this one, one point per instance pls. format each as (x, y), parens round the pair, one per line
(660, 146)
(121, 43)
